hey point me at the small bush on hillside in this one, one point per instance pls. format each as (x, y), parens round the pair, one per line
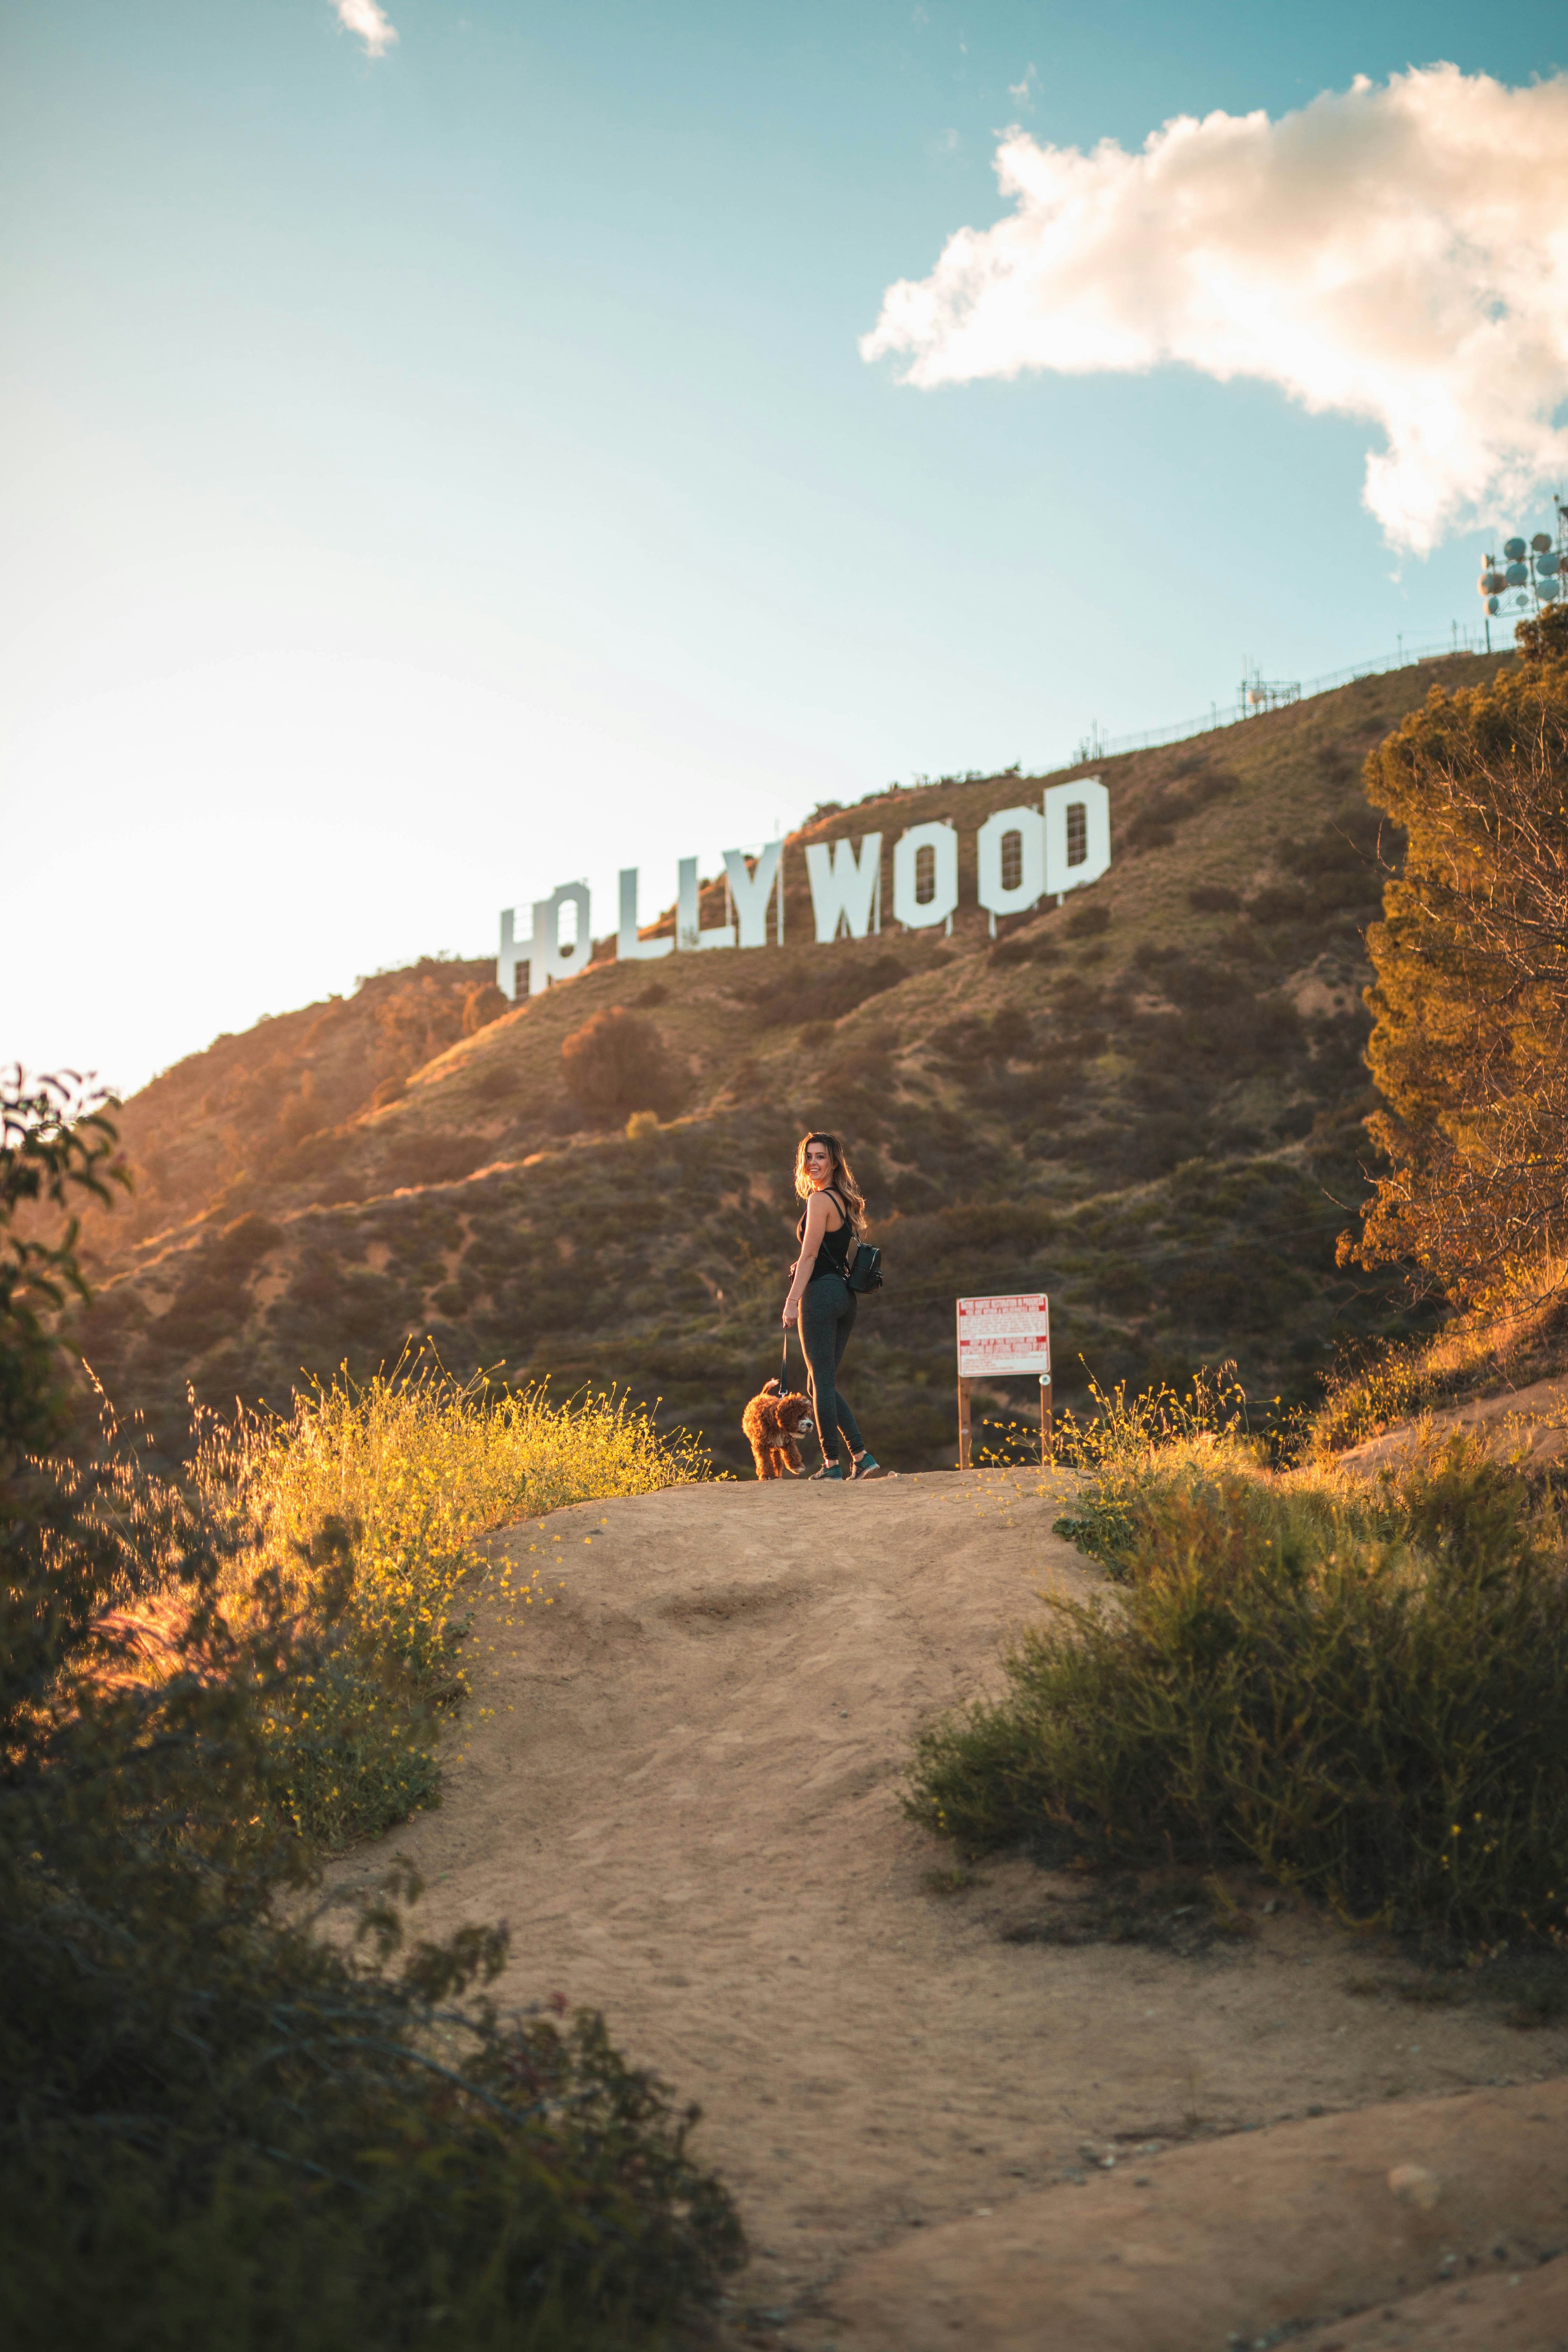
(1363, 1692)
(1152, 824)
(843, 983)
(616, 1063)
(415, 1019)
(482, 1004)
(1034, 948)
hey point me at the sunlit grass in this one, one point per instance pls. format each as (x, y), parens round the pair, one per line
(367, 1504)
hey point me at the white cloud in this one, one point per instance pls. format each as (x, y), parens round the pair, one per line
(1395, 253)
(1024, 93)
(369, 20)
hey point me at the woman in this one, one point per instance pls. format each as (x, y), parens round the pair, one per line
(821, 1297)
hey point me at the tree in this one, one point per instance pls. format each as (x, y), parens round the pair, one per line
(1469, 1044)
(56, 1145)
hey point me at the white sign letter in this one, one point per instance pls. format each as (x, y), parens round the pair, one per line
(915, 913)
(748, 887)
(844, 885)
(628, 946)
(997, 895)
(546, 958)
(513, 952)
(1078, 834)
(689, 932)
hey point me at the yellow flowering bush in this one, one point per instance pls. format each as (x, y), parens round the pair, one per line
(366, 1504)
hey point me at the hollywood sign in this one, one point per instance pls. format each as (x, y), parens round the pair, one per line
(1022, 856)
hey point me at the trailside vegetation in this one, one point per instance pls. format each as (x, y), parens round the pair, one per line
(1362, 1691)
(216, 2124)
(1469, 1043)
(413, 1467)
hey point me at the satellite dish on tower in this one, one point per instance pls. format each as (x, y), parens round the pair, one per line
(1542, 542)
(1513, 549)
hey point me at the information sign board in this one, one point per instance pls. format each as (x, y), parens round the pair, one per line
(1002, 1335)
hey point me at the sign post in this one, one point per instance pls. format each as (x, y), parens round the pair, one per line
(1007, 1334)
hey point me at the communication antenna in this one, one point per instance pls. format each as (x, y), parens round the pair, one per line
(1257, 693)
(1530, 575)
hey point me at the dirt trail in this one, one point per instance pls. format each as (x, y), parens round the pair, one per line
(679, 1785)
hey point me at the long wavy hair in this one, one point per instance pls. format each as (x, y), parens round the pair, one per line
(842, 1181)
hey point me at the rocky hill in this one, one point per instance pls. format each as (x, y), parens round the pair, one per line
(1146, 1100)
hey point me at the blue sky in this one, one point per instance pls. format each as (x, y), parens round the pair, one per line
(440, 475)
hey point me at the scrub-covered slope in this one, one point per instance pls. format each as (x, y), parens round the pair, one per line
(1147, 1100)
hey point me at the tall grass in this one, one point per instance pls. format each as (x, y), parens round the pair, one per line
(364, 1507)
(1517, 1339)
(1362, 1400)
(1362, 1690)
(1121, 1442)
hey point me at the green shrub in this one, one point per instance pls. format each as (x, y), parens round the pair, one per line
(216, 2126)
(1363, 1692)
(1363, 1398)
(1123, 1442)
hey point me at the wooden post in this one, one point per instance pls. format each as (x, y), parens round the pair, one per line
(1048, 1439)
(963, 1424)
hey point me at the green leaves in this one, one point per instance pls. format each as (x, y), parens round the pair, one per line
(57, 1143)
(1469, 1047)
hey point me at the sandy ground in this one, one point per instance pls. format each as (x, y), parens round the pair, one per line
(679, 1784)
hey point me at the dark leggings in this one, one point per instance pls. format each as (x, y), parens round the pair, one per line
(826, 1319)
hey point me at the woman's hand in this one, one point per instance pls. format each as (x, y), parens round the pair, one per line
(791, 1311)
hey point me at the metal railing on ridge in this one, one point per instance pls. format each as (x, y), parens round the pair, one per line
(1095, 746)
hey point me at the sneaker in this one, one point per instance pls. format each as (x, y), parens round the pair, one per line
(869, 1467)
(831, 1470)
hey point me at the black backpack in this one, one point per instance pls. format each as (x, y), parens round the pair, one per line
(864, 1269)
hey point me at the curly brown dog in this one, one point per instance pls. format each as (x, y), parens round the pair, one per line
(773, 1422)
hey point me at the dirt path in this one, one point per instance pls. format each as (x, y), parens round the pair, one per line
(679, 1785)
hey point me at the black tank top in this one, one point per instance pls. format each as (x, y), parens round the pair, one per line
(832, 1251)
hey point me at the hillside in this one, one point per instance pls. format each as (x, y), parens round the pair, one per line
(1147, 1101)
